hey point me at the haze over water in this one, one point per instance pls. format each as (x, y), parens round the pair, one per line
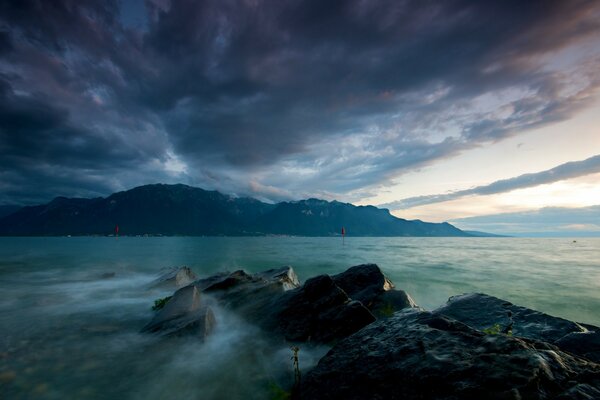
(67, 332)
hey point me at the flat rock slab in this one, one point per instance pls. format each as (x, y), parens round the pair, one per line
(482, 311)
(422, 355)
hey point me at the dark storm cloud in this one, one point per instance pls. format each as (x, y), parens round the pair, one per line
(273, 98)
(568, 170)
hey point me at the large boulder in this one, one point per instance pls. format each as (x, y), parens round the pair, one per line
(183, 314)
(175, 277)
(318, 311)
(248, 293)
(422, 355)
(482, 311)
(367, 284)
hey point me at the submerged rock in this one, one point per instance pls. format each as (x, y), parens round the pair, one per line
(176, 277)
(423, 355)
(482, 311)
(183, 314)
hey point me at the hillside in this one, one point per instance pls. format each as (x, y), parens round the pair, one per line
(184, 210)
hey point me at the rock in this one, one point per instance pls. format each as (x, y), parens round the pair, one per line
(253, 294)
(363, 282)
(233, 280)
(394, 300)
(286, 275)
(175, 276)
(423, 355)
(319, 311)
(580, 392)
(183, 314)
(586, 344)
(367, 284)
(482, 311)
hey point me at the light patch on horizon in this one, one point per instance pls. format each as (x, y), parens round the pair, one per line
(574, 193)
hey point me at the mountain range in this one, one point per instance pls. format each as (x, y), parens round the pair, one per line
(161, 209)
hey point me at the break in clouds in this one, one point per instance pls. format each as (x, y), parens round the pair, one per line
(279, 99)
(561, 172)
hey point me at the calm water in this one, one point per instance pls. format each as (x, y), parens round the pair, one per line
(65, 332)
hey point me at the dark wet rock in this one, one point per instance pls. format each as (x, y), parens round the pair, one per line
(203, 283)
(391, 301)
(581, 392)
(363, 282)
(482, 311)
(176, 277)
(286, 275)
(182, 315)
(317, 311)
(252, 294)
(422, 355)
(586, 344)
(367, 284)
(283, 277)
(233, 280)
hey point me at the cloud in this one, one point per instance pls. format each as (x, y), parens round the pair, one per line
(550, 221)
(295, 96)
(564, 171)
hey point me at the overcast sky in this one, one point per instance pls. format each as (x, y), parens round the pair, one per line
(438, 110)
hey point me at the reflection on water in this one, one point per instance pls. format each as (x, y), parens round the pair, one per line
(70, 328)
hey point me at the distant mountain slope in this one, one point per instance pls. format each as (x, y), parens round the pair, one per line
(184, 210)
(7, 210)
(315, 217)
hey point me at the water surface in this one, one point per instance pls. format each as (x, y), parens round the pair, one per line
(68, 332)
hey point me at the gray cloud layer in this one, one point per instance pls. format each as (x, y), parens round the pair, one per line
(568, 170)
(277, 99)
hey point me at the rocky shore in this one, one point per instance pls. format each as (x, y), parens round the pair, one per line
(383, 345)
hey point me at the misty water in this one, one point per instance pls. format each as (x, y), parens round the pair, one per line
(69, 332)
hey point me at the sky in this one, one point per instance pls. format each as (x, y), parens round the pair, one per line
(483, 114)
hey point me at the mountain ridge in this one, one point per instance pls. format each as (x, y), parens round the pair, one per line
(162, 209)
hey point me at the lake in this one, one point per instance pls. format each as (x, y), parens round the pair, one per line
(69, 332)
